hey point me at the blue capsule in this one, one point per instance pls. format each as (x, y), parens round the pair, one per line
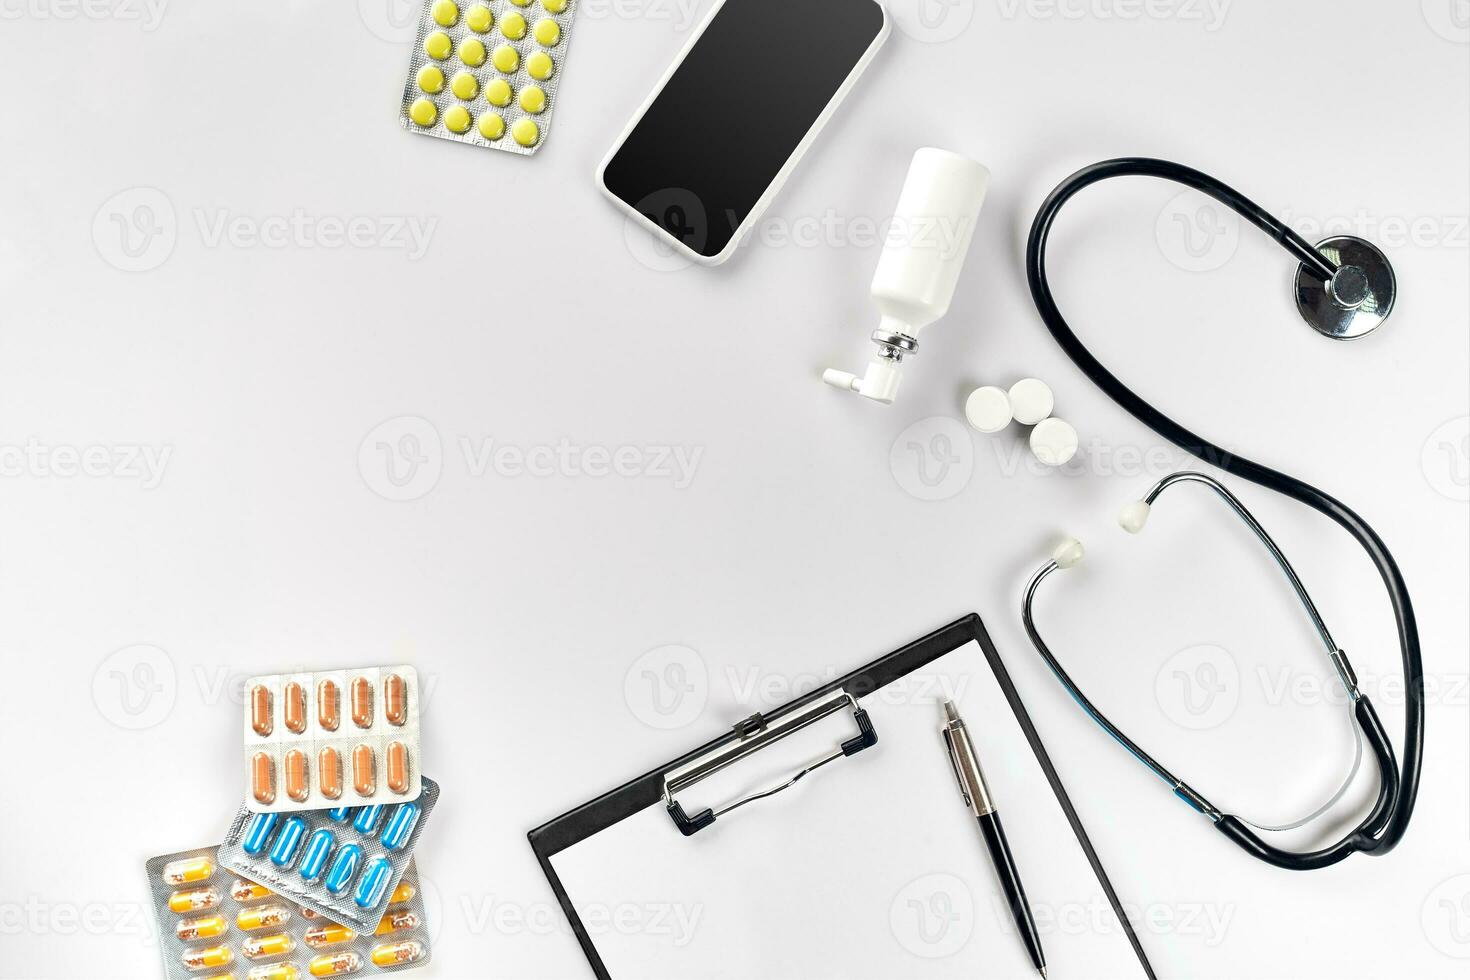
(340, 814)
(374, 884)
(258, 834)
(344, 868)
(314, 860)
(288, 842)
(400, 826)
(367, 819)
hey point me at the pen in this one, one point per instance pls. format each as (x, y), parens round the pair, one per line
(977, 798)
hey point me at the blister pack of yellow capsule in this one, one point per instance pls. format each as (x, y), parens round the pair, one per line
(213, 924)
(486, 72)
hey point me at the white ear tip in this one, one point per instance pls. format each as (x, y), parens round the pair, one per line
(1068, 553)
(1134, 516)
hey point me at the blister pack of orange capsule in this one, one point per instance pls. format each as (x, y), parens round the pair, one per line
(213, 924)
(325, 739)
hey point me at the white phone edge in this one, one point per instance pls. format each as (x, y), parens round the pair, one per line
(774, 187)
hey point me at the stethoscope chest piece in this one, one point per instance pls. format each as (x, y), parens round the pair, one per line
(1357, 299)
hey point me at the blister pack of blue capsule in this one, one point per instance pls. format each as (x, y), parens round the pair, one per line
(343, 863)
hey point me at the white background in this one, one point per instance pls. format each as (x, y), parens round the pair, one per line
(262, 379)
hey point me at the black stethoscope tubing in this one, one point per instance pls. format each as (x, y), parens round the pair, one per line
(1388, 820)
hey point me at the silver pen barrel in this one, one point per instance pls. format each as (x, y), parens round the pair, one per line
(966, 764)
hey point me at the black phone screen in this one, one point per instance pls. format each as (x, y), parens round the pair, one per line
(734, 111)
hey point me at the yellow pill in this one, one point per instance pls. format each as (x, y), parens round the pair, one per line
(465, 86)
(328, 934)
(274, 971)
(199, 959)
(497, 92)
(505, 59)
(423, 112)
(548, 32)
(259, 947)
(554, 6)
(472, 52)
(335, 964)
(194, 900)
(533, 99)
(540, 66)
(438, 46)
(404, 951)
(431, 79)
(457, 119)
(186, 870)
(262, 917)
(402, 893)
(247, 891)
(513, 26)
(479, 18)
(521, 3)
(492, 126)
(445, 13)
(525, 132)
(204, 927)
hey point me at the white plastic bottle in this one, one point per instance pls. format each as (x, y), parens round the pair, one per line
(933, 226)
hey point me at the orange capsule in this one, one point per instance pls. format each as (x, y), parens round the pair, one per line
(329, 773)
(364, 770)
(328, 705)
(396, 766)
(186, 870)
(402, 893)
(403, 951)
(395, 699)
(335, 964)
(263, 778)
(297, 786)
(293, 711)
(362, 702)
(204, 927)
(260, 710)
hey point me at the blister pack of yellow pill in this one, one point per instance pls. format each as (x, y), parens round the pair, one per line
(486, 72)
(213, 924)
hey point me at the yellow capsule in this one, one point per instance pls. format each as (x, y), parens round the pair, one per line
(200, 959)
(276, 944)
(194, 900)
(457, 120)
(400, 921)
(472, 53)
(248, 891)
(465, 86)
(445, 13)
(335, 964)
(554, 6)
(204, 927)
(274, 971)
(423, 112)
(262, 917)
(403, 951)
(491, 126)
(328, 934)
(402, 893)
(506, 59)
(183, 871)
(219, 976)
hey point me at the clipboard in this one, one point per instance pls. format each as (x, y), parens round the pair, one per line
(652, 813)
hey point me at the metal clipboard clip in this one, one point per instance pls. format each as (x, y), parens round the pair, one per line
(752, 735)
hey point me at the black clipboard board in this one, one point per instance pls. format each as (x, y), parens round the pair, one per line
(646, 791)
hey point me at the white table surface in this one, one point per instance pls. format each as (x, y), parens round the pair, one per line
(239, 367)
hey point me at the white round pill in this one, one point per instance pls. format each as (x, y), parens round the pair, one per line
(1031, 401)
(988, 409)
(1054, 442)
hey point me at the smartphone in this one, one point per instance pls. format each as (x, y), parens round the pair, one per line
(731, 118)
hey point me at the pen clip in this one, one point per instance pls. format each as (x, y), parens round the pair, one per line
(954, 763)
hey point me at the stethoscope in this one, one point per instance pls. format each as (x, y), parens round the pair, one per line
(1345, 288)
